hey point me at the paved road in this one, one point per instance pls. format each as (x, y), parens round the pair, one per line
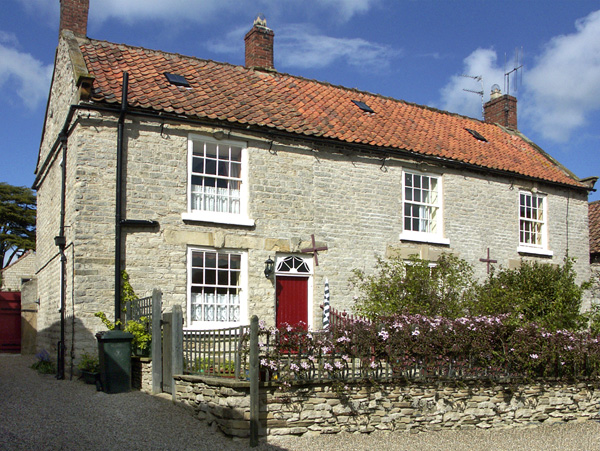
(38, 412)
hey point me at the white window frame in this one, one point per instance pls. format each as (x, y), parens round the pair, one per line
(243, 292)
(425, 237)
(240, 218)
(531, 248)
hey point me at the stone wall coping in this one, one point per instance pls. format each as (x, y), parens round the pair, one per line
(541, 381)
(213, 381)
(142, 359)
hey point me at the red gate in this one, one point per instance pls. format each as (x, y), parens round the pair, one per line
(10, 321)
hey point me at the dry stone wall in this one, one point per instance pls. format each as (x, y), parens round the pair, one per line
(141, 374)
(326, 408)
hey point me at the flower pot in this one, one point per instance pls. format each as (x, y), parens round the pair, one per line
(91, 377)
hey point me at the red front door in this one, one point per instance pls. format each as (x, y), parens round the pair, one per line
(292, 300)
(10, 321)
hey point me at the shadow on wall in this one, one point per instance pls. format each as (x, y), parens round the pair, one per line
(48, 339)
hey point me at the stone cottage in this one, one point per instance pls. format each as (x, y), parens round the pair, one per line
(196, 175)
(19, 272)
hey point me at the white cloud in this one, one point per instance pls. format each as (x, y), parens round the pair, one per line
(346, 9)
(480, 63)
(301, 46)
(203, 11)
(135, 10)
(22, 73)
(231, 43)
(8, 38)
(563, 87)
(42, 7)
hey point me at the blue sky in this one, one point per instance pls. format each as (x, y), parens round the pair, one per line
(415, 50)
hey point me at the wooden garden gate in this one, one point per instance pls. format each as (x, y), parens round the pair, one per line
(10, 321)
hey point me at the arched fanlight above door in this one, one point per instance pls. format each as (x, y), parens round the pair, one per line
(293, 265)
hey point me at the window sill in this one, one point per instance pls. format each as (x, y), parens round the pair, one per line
(219, 218)
(534, 251)
(424, 238)
(213, 325)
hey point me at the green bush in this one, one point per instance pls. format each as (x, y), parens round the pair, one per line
(534, 293)
(538, 293)
(89, 362)
(446, 289)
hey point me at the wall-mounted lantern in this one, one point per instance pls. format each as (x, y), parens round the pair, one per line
(269, 265)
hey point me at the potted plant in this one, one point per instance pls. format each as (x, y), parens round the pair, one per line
(89, 367)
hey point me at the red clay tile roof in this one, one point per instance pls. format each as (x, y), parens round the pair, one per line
(594, 218)
(224, 92)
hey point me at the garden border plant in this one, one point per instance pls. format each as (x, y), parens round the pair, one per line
(44, 364)
(142, 338)
(420, 347)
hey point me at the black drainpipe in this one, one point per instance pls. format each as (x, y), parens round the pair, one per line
(61, 241)
(119, 208)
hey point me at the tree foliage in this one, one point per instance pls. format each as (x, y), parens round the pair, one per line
(17, 222)
(415, 286)
(533, 293)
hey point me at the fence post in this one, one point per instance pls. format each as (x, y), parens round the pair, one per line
(254, 377)
(176, 347)
(167, 351)
(156, 342)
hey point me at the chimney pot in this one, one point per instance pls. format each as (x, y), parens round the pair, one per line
(259, 45)
(74, 16)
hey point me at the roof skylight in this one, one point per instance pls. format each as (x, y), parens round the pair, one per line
(363, 106)
(477, 135)
(177, 80)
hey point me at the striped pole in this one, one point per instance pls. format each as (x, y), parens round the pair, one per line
(326, 306)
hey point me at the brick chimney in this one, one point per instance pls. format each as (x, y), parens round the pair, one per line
(501, 109)
(74, 16)
(259, 45)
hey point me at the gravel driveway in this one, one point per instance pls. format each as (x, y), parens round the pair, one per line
(38, 412)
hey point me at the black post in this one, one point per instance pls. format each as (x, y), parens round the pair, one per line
(254, 375)
(118, 203)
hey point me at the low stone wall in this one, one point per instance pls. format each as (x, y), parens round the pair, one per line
(141, 374)
(221, 401)
(326, 408)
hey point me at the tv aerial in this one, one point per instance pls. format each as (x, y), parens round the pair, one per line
(478, 78)
(518, 66)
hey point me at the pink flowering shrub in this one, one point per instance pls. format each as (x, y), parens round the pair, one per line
(418, 346)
